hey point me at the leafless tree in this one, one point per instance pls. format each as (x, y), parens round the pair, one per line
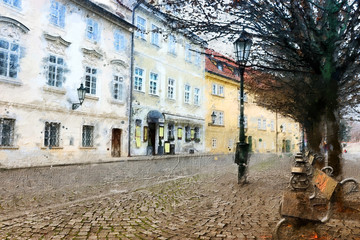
(306, 50)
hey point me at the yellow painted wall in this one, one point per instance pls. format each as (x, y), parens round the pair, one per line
(227, 135)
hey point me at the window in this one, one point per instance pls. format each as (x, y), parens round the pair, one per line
(138, 80)
(9, 59)
(197, 59)
(217, 90)
(88, 136)
(141, 25)
(259, 123)
(92, 30)
(153, 83)
(196, 96)
(57, 14)
(119, 41)
(13, 3)
(118, 86)
(90, 80)
(187, 134)
(172, 44)
(187, 53)
(55, 76)
(264, 124)
(155, 35)
(213, 143)
(220, 66)
(219, 119)
(7, 131)
(171, 88)
(171, 132)
(52, 134)
(187, 94)
(197, 133)
(272, 125)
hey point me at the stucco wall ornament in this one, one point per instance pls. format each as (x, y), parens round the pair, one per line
(119, 65)
(91, 56)
(56, 44)
(12, 28)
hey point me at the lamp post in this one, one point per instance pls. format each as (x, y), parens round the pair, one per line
(81, 94)
(242, 51)
(213, 117)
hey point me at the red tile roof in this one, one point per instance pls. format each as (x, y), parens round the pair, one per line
(212, 59)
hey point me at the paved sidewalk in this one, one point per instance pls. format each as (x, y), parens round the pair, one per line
(206, 206)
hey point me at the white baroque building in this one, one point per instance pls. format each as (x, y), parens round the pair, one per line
(47, 49)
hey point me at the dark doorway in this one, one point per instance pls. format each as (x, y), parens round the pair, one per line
(250, 143)
(152, 136)
(288, 145)
(116, 142)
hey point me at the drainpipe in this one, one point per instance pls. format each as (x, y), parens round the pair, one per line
(131, 76)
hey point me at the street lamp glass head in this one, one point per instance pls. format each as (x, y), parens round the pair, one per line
(242, 47)
(81, 93)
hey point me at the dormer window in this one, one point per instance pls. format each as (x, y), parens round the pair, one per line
(220, 66)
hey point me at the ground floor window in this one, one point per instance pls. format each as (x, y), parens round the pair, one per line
(213, 143)
(88, 136)
(52, 134)
(6, 131)
(171, 129)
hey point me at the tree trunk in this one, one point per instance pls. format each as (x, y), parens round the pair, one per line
(314, 134)
(333, 140)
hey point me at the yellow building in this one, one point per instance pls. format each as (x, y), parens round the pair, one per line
(267, 132)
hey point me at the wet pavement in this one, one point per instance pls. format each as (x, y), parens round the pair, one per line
(209, 205)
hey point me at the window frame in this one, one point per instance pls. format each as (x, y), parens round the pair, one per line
(188, 52)
(197, 96)
(118, 79)
(172, 44)
(119, 41)
(155, 36)
(54, 82)
(11, 60)
(94, 34)
(59, 9)
(92, 80)
(153, 84)
(187, 91)
(171, 89)
(139, 78)
(141, 27)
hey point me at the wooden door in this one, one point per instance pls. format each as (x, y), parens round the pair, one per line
(116, 142)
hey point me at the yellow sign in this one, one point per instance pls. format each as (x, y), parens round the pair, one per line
(161, 131)
(167, 147)
(138, 136)
(179, 133)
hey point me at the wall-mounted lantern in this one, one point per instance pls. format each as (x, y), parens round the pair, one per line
(81, 94)
(213, 117)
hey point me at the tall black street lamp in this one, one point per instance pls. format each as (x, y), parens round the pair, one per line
(242, 51)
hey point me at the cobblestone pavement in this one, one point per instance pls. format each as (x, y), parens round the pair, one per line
(206, 206)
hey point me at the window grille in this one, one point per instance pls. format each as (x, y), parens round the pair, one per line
(88, 136)
(153, 83)
(6, 131)
(119, 41)
(141, 25)
(52, 134)
(187, 94)
(171, 88)
(196, 96)
(57, 14)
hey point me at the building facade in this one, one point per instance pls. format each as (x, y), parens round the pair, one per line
(266, 132)
(168, 105)
(48, 49)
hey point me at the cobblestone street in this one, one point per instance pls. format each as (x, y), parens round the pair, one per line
(204, 206)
